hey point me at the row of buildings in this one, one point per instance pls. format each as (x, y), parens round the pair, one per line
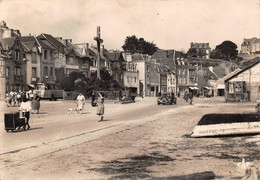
(27, 61)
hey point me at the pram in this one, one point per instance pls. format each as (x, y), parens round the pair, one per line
(14, 121)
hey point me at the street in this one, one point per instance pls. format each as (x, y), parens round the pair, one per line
(136, 140)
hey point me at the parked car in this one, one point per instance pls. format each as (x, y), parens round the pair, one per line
(167, 98)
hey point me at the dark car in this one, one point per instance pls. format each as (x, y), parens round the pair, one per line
(167, 98)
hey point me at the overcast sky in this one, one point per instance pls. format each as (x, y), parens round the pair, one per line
(170, 24)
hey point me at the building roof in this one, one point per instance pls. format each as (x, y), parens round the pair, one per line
(29, 42)
(231, 74)
(7, 43)
(211, 75)
(248, 41)
(54, 42)
(94, 50)
(200, 45)
(70, 50)
(167, 57)
(28, 46)
(114, 56)
(256, 41)
(44, 45)
(137, 57)
(243, 70)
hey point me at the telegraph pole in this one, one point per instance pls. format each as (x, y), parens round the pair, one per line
(99, 41)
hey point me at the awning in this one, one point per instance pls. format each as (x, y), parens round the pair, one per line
(221, 86)
(193, 88)
(30, 86)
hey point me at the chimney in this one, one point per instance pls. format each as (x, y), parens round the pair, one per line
(58, 38)
(87, 49)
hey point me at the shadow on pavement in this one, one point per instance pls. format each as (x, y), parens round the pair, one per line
(35, 128)
(40, 113)
(196, 176)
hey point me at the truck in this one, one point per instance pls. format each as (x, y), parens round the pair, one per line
(51, 94)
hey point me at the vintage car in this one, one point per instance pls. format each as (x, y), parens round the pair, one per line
(167, 98)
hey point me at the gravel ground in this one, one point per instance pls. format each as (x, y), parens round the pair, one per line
(157, 147)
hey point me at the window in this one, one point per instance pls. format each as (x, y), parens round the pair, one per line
(7, 71)
(34, 72)
(45, 71)
(127, 78)
(34, 60)
(45, 54)
(135, 79)
(51, 55)
(51, 71)
(17, 71)
(17, 55)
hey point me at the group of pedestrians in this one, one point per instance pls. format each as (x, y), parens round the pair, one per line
(13, 98)
(27, 102)
(188, 96)
(99, 103)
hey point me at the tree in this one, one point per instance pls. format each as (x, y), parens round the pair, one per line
(79, 83)
(192, 52)
(226, 50)
(74, 82)
(134, 45)
(183, 53)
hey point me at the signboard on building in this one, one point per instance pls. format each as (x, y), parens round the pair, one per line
(238, 87)
(231, 88)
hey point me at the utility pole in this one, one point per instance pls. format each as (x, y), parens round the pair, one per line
(99, 41)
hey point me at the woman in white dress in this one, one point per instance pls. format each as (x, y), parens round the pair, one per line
(80, 101)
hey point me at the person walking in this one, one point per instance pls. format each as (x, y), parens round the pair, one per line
(36, 103)
(80, 101)
(191, 97)
(186, 96)
(100, 106)
(93, 97)
(25, 107)
(19, 97)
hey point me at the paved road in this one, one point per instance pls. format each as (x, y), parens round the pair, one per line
(140, 140)
(54, 124)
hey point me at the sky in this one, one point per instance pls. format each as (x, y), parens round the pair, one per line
(170, 24)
